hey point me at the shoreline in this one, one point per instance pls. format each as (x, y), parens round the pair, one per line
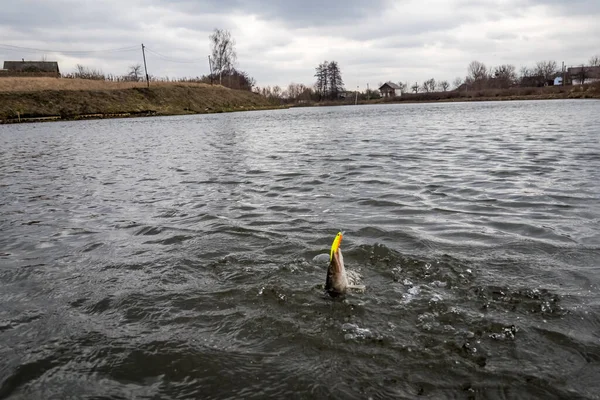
(49, 105)
(124, 115)
(455, 100)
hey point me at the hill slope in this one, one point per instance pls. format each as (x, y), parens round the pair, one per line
(26, 100)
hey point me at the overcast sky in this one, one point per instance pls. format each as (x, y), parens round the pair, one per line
(279, 42)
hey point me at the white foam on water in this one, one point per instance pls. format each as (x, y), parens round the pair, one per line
(353, 332)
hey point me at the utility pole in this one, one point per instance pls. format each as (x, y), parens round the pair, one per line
(563, 73)
(368, 93)
(211, 71)
(145, 68)
(356, 99)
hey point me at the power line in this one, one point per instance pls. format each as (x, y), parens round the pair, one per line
(75, 52)
(170, 59)
(163, 57)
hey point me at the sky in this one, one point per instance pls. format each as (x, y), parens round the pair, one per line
(279, 42)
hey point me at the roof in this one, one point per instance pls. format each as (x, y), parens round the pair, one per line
(590, 72)
(392, 85)
(533, 80)
(31, 66)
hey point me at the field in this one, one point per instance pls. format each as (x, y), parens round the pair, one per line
(37, 84)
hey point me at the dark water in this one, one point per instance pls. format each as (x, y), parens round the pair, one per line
(173, 257)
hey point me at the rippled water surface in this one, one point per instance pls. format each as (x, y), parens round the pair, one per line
(178, 257)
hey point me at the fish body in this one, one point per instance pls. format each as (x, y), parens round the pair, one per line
(336, 282)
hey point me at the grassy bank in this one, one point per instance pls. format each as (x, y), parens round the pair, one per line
(27, 99)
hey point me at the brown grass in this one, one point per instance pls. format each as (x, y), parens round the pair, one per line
(161, 99)
(17, 84)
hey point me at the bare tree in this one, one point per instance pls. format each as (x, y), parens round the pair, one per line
(595, 61)
(505, 76)
(223, 52)
(582, 74)
(276, 93)
(266, 91)
(431, 84)
(525, 72)
(135, 72)
(546, 69)
(293, 90)
(443, 86)
(415, 87)
(457, 82)
(306, 93)
(527, 77)
(403, 87)
(428, 85)
(477, 71)
(84, 72)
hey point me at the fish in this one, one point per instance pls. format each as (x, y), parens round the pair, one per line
(336, 281)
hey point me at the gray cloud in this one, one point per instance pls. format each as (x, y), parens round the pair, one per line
(279, 42)
(569, 7)
(306, 13)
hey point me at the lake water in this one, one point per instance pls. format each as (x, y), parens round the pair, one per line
(178, 257)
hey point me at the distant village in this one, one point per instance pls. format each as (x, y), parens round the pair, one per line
(503, 77)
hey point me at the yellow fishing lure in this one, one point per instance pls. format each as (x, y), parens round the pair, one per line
(336, 244)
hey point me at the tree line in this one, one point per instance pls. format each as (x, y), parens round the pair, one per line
(329, 83)
(231, 78)
(479, 76)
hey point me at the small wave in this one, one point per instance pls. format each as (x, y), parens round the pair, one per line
(378, 203)
(92, 247)
(149, 231)
(23, 319)
(176, 239)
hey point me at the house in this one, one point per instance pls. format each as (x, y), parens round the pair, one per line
(583, 74)
(346, 94)
(462, 88)
(390, 89)
(533, 81)
(35, 68)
